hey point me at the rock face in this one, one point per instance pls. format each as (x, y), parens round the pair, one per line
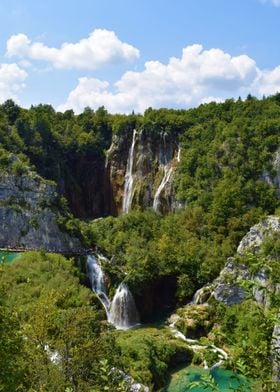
(226, 288)
(276, 352)
(141, 168)
(27, 217)
(254, 238)
(274, 177)
(193, 321)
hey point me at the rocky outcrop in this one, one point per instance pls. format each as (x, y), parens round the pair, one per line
(28, 215)
(141, 168)
(276, 353)
(192, 321)
(252, 241)
(226, 288)
(273, 178)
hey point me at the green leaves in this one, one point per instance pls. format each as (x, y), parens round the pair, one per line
(206, 382)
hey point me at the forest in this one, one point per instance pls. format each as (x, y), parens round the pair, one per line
(54, 333)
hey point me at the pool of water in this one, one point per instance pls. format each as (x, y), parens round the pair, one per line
(7, 257)
(226, 380)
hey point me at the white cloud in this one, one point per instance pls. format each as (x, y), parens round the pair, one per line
(276, 3)
(101, 47)
(268, 82)
(197, 76)
(12, 79)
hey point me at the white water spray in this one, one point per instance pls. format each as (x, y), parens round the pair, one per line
(97, 281)
(179, 154)
(166, 177)
(128, 185)
(121, 312)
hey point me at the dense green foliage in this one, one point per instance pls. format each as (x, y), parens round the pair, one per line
(148, 354)
(247, 327)
(47, 314)
(147, 247)
(227, 151)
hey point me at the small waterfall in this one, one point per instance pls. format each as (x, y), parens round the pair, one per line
(202, 295)
(128, 186)
(95, 274)
(179, 154)
(97, 281)
(123, 313)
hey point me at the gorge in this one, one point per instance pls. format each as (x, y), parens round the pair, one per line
(167, 198)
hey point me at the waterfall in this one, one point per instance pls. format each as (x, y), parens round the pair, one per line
(164, 181)
(179, 154)
(97, 281)
(123, 313)
(95, 274)
(128, 185)
(165, 163)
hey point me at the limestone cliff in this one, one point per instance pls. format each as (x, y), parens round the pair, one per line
(141, 168)
(227, 288)
(28, 214)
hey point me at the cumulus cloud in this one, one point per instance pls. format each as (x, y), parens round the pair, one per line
(197, 76)
(12, 79)
(268, 82)
(100, 48)
(276, 3)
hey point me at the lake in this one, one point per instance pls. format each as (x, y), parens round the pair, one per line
(225, 380)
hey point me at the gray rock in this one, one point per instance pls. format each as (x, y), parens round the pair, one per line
(226, 289)
(153, 154)
(252, 241)
(27, 217)
(276, 353)
(274, 178)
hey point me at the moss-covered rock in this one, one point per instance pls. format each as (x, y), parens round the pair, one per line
(149, 353)
(193, 320)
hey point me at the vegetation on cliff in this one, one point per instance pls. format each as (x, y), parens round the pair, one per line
(225, 182)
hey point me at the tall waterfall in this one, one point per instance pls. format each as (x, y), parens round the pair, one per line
(165, 160)
(128, 186)
(164, 181)
(123, 312)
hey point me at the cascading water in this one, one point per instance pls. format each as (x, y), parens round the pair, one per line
(179, 154)
(97, 281)
(166, 177)
(128, 185)
(95, 274)
(123, 313)
(167, 170)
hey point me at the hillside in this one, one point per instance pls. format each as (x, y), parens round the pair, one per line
(163, 199)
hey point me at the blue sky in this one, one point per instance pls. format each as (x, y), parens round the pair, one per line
(128, 55)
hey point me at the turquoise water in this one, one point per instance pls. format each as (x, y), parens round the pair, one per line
(7, 257)
(226, 380)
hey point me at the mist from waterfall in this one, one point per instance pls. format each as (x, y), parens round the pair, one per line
(121, 312)
(128, 185)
